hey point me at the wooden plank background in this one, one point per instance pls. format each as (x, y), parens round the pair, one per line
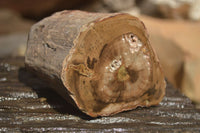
(28, 105)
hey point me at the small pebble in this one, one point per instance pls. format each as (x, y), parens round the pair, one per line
(3, 79)
(42, 99)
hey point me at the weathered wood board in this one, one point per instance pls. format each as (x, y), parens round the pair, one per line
(27, 105)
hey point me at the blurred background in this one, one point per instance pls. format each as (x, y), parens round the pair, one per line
(173, 26)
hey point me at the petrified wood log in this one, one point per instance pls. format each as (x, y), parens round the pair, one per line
(104, 61)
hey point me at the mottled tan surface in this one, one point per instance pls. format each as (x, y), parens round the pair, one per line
(185, 34)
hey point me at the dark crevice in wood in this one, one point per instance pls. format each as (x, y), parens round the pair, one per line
(48, 46)
(102, 50)
(90, 63)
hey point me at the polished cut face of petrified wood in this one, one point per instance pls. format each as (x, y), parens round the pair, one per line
(104, 61)
(113, 74)
(121, 73)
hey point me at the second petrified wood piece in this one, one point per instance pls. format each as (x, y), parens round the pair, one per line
(105, 61)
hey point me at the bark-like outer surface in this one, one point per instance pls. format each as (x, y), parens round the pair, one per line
(53, 41)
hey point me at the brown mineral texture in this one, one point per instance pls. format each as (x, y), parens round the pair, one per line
(102, 63)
